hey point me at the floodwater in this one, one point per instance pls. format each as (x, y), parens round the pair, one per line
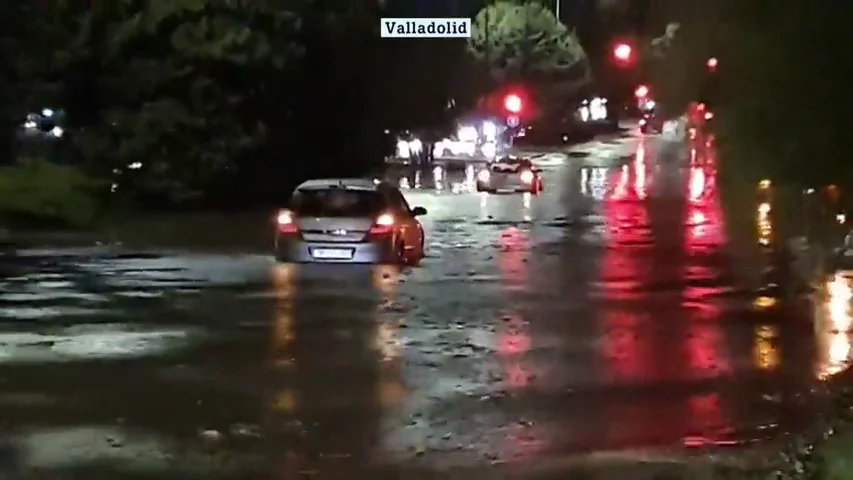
(602, 315)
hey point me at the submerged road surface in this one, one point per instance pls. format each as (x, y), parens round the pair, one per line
(600, 315)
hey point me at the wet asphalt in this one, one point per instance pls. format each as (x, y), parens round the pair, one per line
(601, 315)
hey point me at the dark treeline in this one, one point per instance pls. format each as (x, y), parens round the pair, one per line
(781, 90)
(196, 103)
(229, 104)
(780, 94)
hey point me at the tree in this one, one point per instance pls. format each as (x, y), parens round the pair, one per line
(675, 61)
(526, 42)
(342, 90)
(426, 83)
(22, 59)
(779, 96)
(167, 97)
(788, 109)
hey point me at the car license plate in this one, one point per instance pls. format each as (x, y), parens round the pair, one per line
(332, 253)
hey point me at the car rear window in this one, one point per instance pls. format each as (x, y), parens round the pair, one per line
(337, 203)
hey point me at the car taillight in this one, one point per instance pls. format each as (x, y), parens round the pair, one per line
(527, 176)
(642, 122)
(286, 222)
(483, 176)
(383, 225)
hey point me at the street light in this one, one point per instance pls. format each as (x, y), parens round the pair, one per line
(623, 52)
(513, 103)
(712, 63)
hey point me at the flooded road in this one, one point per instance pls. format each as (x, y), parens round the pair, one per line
(600, 315)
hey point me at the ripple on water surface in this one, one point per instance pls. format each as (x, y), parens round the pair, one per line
(91, 342)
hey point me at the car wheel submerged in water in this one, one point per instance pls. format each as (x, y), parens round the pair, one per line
(485, 189)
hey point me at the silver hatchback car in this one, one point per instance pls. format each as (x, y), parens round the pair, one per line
(349, 221)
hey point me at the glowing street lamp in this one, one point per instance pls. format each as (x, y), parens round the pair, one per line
(513, 104)
(623, 52)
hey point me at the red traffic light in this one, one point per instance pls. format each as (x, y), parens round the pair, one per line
(623, 52)
(513, 103)
(712, 63)
(642, 91)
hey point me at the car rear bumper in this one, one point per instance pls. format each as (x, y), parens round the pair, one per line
(301, 251)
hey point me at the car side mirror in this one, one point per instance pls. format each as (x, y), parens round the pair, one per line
(419, 211)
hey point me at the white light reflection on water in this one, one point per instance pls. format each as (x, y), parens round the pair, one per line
(389, 321)
(283, 334)
(438, 178)
(640, 180)
(834, 337)
(90, 342)
(284, 289)
(142, 452)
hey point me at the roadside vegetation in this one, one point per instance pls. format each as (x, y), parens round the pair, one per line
(37, 193)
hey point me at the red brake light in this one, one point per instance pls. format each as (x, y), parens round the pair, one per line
(383, 225)
(286, 222)
(527, 176)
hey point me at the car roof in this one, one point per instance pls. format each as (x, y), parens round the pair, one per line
(363, 184)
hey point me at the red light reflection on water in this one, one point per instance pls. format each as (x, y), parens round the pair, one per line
(697, 184)
(704, 216)
(514, 343)
(705, 340)
(706, 410)
(706, 346)
(640, 179)
(620, 190)
(514, 339)
(623, 188)
(512, 260)
(622, 269)
(692, 348)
